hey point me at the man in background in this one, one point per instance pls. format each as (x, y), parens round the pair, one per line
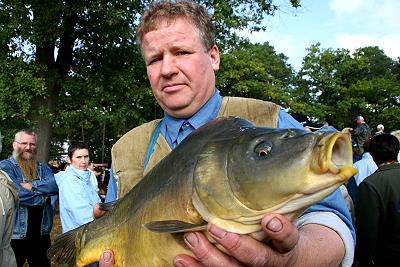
(33, 218)
(377, 209)
(361, 134)
(380, 129)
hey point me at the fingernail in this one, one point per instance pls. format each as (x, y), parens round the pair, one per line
(191, 239)
(107, 256)
(178, 263)
(274, 225)
(217, 232)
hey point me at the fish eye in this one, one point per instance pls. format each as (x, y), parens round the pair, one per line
(263, 149)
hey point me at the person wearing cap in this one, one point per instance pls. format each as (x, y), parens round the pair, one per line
(361, 134)
(380, 129)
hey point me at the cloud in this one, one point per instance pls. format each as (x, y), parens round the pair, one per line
(389, 43)
(388, 13)
(370, 23)
(345, 6)
(381, 13)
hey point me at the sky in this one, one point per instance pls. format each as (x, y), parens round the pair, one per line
(349, 24)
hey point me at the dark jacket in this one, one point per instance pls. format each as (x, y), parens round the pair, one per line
(378, 218)
(361, 134)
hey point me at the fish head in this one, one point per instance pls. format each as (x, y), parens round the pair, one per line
(255, 171)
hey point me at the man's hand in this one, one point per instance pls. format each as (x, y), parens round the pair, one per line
(97, 212)
(243, 249)
(106, 259)
(313, 245)
(27, 186)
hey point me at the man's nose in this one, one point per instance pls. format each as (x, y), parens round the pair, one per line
(169, 66)
(30, 146)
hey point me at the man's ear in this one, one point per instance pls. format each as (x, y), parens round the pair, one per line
(214, 57)
(14, 145)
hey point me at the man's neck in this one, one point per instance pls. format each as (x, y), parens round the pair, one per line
(390, 162)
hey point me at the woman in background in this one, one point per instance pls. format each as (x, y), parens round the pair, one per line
(76, 192)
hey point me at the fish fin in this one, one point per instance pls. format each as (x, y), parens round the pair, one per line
(174, 226)
(108, 205)
(63, 249)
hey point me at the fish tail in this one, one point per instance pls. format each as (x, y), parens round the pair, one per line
(63, 250)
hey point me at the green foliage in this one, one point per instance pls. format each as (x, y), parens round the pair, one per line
(19, 84)
(344, 85)
(255, 71)
(72, 69)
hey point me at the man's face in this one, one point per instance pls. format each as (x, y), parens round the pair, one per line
(25, 146)
(180, 71)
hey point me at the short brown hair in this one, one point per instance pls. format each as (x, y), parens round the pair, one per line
(167, 10)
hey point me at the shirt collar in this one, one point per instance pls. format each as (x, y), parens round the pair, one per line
(209, 111)
(367, 155)
(82, 174)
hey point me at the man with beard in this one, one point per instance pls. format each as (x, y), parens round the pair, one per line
(33, 218)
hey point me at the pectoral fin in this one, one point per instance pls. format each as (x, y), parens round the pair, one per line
(174, 226)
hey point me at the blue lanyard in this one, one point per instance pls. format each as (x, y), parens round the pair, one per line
(153, 140)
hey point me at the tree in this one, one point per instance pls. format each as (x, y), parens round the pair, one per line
(346, 85)
(256, 71)
(53, 40)
(319, 86)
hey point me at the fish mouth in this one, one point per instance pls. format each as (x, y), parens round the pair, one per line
(332, 159)
(337, 154)
(331, 166)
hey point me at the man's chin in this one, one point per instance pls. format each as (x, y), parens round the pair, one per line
(180, 113)
(27, 156)
(180, 110)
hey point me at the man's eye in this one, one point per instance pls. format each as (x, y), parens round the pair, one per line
(181, 53)
(153, 60)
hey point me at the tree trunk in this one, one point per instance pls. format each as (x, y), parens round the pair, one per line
(54, 72)
(44, 131)
(42, 120)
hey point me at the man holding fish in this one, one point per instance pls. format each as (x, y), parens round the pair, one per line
(177, 41)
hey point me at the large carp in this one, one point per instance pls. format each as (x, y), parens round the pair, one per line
(229, 173)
